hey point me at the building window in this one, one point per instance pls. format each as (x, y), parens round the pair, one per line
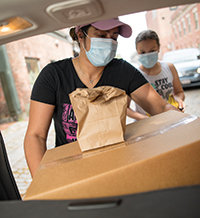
(4, 111)
(189, 23)
(184, 27)
(196, 20)
(33, 69)
(175, 32)
(179, 29)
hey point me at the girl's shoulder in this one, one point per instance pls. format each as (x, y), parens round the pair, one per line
(166, 64)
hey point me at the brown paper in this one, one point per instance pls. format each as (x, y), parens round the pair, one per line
(101, 116)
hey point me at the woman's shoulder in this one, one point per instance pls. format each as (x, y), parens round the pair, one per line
(61, 63)
(120, 63)
(57, 67)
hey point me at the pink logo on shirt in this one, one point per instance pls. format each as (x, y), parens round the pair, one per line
(69, 123)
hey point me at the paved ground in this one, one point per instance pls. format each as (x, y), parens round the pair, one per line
(13, 135)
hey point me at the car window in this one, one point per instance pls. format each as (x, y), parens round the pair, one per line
(36, 56)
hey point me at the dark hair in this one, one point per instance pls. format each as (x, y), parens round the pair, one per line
(147, 34)
(73, 34)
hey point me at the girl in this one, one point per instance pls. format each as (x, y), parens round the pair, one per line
(162, 76)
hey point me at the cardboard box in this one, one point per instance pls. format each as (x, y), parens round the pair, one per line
(160, 152)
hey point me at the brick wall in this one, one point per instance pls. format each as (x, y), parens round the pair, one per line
(190, 39)
(163, 22)
(43, 47)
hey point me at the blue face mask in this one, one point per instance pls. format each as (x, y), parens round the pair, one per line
(148, 60)
(102, 51)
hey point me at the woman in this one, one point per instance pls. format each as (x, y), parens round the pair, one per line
(162, 76)
(95, 66)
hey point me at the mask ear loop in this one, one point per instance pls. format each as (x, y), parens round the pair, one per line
(86, 34)
(88, 37)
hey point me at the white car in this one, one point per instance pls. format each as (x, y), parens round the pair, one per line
(187, 63)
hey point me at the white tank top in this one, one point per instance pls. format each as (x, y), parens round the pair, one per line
(162, 83)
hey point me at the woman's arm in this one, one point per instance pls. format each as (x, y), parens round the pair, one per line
(134, 114)
(40, 118)
(150, 100)
(179, 95)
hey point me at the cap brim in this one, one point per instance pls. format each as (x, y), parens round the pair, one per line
(125, 30)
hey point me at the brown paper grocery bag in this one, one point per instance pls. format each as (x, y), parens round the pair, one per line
(101, 116)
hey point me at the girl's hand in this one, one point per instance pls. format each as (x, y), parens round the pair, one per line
(181, 104)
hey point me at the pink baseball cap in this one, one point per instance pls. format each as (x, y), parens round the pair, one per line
(124, 30)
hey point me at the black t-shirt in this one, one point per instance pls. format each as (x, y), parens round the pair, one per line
(57, 80)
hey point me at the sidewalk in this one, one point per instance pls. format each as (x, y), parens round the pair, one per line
(13, 134)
